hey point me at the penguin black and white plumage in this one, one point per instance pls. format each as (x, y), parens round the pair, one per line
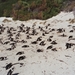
(10, 72)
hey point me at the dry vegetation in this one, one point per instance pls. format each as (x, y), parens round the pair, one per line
(34, 9)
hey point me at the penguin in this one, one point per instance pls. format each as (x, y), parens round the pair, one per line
(10, 72)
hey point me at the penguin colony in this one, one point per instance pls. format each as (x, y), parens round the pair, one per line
(29, 38)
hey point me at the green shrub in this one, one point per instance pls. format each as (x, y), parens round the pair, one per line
(30, 9)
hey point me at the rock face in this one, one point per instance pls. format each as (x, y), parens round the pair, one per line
(37, 47)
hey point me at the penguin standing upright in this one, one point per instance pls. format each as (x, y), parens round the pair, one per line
(9, 72)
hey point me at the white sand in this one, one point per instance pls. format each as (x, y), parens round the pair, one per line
(48, 62)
